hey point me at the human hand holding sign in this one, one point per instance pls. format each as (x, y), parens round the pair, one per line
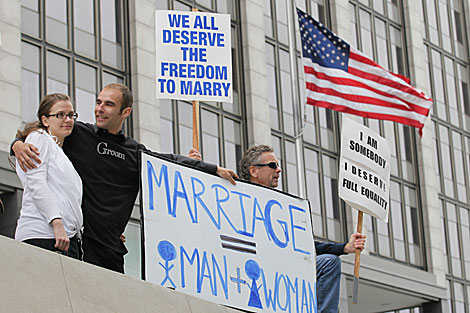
(194, 154)
(26, 154)
(227, 174)
(356, 241)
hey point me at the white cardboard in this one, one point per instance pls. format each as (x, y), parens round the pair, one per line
(193, 56)
(192, 253)
(364, 171)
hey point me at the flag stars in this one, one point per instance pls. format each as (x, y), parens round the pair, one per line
(321, 45)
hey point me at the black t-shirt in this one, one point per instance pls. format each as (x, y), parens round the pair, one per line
(109, 168)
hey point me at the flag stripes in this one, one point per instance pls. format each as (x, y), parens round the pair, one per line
(341, 78)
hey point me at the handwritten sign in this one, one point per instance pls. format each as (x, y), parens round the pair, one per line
(193, 56)
(364, 176)
(245, 246)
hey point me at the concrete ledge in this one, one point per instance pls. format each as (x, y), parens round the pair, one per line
(36, 280)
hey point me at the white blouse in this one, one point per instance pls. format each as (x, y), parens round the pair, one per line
(52, 190)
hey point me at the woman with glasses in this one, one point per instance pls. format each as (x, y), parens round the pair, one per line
(51, 216)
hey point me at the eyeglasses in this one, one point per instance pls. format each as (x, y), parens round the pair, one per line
(273, 165)
(63, 116)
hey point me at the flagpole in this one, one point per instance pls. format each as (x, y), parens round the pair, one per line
(291, 10)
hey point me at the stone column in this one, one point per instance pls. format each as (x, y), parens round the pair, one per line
(254, 72)
(10, 71)
(146, 107)
(414, 26)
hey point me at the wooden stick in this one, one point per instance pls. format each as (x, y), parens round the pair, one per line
(357, 260)
(196, 125)
(195, 115)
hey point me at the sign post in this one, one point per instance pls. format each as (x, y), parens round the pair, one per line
(196, 119)
(357, 258)
(364, 177)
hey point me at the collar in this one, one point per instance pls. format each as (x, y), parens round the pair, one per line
(99, 131)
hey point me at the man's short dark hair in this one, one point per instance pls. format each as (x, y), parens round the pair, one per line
(250, 157)
(126, 94)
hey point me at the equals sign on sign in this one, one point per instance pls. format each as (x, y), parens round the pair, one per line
(239, 245)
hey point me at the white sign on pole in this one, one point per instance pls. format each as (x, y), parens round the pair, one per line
(245, 246)
(193, 56)
(364, 175)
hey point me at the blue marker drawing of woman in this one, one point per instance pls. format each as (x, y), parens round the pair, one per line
(253, 271)
(168, 252)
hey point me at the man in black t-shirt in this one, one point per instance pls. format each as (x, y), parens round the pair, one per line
(107, 162)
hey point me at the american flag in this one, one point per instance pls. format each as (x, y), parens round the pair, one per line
(341, 78)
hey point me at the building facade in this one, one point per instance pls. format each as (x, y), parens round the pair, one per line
(418, 262)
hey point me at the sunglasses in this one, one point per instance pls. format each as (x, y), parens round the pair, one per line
(273, 165)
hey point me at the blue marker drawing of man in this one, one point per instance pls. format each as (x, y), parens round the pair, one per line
(168, 253)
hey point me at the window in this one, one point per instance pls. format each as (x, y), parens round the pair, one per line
(57, 58)
(448, 71)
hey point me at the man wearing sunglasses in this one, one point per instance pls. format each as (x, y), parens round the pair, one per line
(260, 165)
(107, 162)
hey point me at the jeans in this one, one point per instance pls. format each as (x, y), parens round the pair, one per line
(48, 244)
(328, 282)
